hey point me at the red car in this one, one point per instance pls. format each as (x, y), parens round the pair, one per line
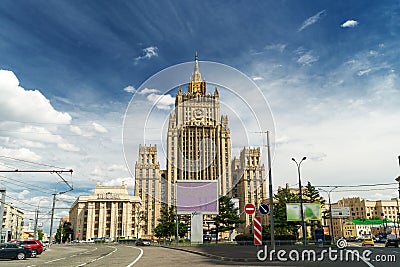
(35, 245)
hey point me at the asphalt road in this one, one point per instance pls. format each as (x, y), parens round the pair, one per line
(129, 256)
(81, 255)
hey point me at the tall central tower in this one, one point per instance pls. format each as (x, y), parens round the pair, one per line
(198, 142)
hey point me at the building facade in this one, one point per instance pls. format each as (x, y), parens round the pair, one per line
(109, 213)
(13, 221)
(198, 148)
(248, 175)
(366, 209)
(150, 187)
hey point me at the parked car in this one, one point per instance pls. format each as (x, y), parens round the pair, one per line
(14, 251)
(142, 242)
(33, 244)
(368, 242)
(392, 243)
(206, 238)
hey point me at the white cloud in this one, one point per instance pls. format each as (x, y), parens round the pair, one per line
(161, 101)
(307, 58)
(68, 147)
(257, 78)
(146, 91)
(20, 153)
(312, 20)
(41, 134)
(75, 129)
(99, 128)
(23, 105)
(116, 167)
(22, 194)
(278, 47)
(349, 24)
(147, 53)
(364, 72)
(130, 89)
(129, 181)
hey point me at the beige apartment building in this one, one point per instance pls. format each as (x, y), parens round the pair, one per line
(109, 213)
(13, 221)
(248, 175)
(198, 148)
(150, 188)
(365, 209)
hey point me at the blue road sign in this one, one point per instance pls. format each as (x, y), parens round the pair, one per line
(264, 209)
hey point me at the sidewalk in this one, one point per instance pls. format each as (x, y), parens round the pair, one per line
(247, 255)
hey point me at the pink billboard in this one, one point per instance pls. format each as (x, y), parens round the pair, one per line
(197, 196)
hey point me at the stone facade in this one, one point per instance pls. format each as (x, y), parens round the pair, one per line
(109, 213)
(198, 148)
(248, 174)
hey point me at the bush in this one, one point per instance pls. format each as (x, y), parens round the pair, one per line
(244, 238)
(285, 237)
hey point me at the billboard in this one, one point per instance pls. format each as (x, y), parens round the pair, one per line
(197, 196)
(340, 212)
(311, 211)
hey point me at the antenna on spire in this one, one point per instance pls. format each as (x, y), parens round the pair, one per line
(196, 57)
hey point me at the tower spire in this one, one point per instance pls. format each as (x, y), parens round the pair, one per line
(196, 76)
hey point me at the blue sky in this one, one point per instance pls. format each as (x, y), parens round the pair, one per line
(329, 70)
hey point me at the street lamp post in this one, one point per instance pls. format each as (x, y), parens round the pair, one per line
(330, 212)
(303, 227)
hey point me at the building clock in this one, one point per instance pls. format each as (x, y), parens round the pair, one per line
(198, 113)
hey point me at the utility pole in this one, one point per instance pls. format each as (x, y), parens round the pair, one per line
(58, 172)
(36, 223)
(331, 230)
(51, 221)
(271, 197)
(3, 199)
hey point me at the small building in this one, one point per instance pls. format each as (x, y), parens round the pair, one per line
(13, 220)
(110, 213)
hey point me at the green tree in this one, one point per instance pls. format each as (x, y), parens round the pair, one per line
(282, 226)
(312, 195)
(64, 232)
(227, 216)
(40, 234)
(182, 229)
(166, 222)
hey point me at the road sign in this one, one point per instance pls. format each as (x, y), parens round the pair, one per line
(264, 209)
(257, 231)
(249, 208)
(340, 211)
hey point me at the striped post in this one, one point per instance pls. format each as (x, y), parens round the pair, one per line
(257, 231)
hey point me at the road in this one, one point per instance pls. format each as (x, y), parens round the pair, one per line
(129, 256)
(81, 255)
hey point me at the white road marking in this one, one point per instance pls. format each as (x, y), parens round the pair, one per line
(99, 258)
(137, 258)
(362, 258)
(55, 260)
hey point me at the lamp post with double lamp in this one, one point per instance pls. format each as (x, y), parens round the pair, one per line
(332, 233)
(303, 227)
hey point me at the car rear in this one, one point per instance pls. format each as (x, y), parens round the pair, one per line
(392, 243)
(35, 246)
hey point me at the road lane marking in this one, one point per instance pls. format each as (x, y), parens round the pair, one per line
(99, 258)
(137, 258)
(55, 260)
(362, 258)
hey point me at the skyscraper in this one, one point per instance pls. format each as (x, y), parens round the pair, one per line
(198, 148)
(198, 142)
